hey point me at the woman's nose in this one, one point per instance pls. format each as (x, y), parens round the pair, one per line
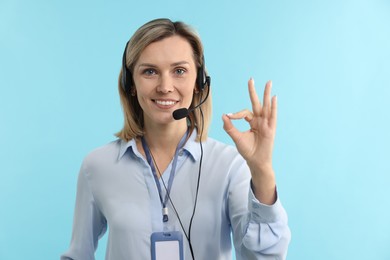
(165, 84)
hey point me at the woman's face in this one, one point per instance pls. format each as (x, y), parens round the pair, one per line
(164, 77)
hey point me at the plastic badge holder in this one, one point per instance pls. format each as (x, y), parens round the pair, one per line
(167, 246)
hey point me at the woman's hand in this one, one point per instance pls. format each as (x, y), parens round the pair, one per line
(256, 144)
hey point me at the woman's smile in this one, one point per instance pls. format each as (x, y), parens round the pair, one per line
(165, 103)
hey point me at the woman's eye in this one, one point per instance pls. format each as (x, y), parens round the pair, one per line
(180, 71)
(149, 72)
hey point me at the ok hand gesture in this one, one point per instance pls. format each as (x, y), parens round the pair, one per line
(256, 144)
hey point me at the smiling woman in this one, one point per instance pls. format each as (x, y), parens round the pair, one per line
(147, 186)
(143, 41)
(164, 80)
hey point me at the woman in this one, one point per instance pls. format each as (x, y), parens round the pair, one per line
(166, 175)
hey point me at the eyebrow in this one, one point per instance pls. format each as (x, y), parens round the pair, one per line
(179, 63)
(172, 65)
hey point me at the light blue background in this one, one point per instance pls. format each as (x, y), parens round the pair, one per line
(330, 65)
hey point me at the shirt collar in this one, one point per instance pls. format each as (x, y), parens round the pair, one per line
(191, 146)
(124, 146)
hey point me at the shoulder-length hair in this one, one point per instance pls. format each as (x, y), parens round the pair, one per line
(151, 32)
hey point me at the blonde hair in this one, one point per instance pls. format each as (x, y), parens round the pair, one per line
(150, 32)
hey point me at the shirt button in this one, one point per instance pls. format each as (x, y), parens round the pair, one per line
(181, 153)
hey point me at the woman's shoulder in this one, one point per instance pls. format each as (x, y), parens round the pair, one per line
(219, 147)
(104, 153)
(224, 159)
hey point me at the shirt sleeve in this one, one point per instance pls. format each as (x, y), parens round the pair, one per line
(89, 223)
(259, 231)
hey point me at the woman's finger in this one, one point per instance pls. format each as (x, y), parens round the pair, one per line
(243, 114)
(256, 105)
(267, 99)
(274, 111)
(230, 129)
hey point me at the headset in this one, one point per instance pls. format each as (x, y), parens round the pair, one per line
(127, 81)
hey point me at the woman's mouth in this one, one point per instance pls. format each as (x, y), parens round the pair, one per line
(164, 103)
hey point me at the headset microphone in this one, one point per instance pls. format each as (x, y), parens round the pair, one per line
(181, 113)
(184, 112)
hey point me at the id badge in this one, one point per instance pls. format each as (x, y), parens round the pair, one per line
(167, 245)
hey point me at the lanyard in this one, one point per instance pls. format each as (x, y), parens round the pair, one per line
(149, 158)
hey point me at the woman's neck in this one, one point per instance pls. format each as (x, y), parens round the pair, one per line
(162, 143)
(165, 138)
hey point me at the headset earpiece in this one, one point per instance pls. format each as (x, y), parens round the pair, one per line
(202, 79)
(127, 77)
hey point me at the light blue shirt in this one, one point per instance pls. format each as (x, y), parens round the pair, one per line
(116, 188)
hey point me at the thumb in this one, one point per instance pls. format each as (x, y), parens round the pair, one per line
(230, 129)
